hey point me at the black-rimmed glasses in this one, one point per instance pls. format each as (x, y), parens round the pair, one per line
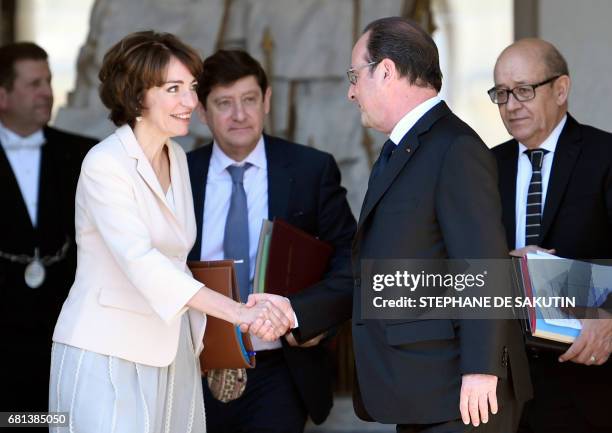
(522, 93)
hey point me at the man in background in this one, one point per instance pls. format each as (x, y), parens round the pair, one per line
(39, 168)
(555, 180)
(243, 177)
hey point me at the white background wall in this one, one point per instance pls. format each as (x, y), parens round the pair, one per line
(60, 27)
(471, 35)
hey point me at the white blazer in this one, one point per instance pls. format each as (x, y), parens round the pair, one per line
(132, 281)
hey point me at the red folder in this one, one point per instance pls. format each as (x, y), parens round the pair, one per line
(296, 259)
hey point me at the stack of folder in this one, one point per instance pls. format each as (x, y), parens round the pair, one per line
(550, 328)
(288, 259)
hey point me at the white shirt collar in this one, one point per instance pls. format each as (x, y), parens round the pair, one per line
(11, 140)
(219, 161)
(411, 118)
(550, 143)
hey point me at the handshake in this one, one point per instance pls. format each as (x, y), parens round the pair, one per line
(266, 316)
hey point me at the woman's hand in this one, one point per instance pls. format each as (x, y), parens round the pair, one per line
(268, 317)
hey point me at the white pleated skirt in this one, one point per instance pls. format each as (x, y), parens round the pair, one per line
(105, 394)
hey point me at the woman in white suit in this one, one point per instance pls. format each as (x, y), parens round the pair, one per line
(126, 344)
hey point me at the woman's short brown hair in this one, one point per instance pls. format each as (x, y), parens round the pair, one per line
(137, 63)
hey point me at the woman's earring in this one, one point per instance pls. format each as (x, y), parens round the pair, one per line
(138, 118)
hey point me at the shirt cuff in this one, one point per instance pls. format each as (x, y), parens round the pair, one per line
(295, 319)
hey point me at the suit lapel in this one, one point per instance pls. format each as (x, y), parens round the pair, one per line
(145, 170)
(401, 155)
(143, 166)
(199, 162)
(179, 188)
(279, 178)
(51, 191)
(16, 214)
(566, 155)
(507, 167)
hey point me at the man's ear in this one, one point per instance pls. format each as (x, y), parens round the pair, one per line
(267, 99)
(561, 89)
(388, 68)
(201, 113)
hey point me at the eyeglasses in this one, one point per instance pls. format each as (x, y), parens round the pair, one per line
(352, 72)
(522, 93)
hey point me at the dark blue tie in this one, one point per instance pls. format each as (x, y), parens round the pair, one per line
(383, 159)
(236, 237)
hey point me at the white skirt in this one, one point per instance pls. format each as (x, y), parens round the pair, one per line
(105, 394)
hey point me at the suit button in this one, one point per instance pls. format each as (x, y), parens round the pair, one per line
(357, 282)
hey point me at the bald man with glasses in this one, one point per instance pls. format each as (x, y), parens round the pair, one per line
(555, 181)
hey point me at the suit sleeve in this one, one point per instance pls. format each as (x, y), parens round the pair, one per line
(329, 303)
(607, 305)
(469, 209)
(607, 186)
(108, 197)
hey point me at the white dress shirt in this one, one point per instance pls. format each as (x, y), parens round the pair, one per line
(523, 177)
(411, 118)
(216, 208)
(23, 153)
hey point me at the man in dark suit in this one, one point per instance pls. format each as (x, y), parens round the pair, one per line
(432, 195)
(567, 210)
(283, 180)
(39, 168)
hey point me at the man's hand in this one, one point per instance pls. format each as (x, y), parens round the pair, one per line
(263, 319)
(280, 302)
(593, 345)
(522, 252)
(310, 343)
(478, 393)
(277, 319)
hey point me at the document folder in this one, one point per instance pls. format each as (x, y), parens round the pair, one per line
(224, 345)
(540, 332)
(289, 259)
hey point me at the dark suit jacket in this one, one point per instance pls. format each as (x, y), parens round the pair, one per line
(303, 189)
(436, 199)
(577, 223)
(28, 316)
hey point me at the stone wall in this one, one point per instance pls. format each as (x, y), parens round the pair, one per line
(304, 45)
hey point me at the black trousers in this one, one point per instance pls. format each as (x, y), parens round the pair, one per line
(270, 403)
(568, 397)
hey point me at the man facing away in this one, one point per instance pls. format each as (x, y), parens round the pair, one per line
(246, 176)
(39, 168)
(555, 180)
(432, 195)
